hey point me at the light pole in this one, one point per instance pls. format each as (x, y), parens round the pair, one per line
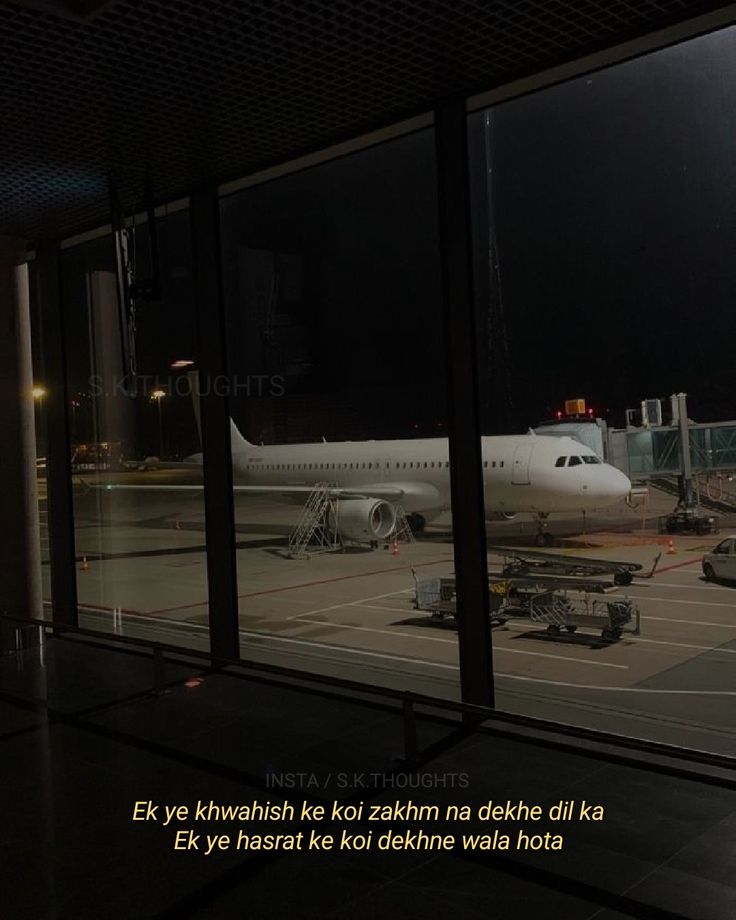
(75, 405)
(157, 396)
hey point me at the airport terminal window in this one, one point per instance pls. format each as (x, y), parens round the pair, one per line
(141, 549)
(317, 265)
(599, 203)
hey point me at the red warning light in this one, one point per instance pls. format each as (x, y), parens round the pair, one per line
(559, 414)
(590, 412)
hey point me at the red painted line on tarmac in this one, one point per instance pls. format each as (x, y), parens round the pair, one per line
(305, 584)
(677, 565)
(325, 581)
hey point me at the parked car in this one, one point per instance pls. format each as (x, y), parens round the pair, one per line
(720, 562)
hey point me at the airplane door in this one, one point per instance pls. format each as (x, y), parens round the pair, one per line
(520, 468)
(385, 466)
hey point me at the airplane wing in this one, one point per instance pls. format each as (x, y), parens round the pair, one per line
(369, 490)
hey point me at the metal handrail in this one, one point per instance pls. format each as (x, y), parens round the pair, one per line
(409, 699)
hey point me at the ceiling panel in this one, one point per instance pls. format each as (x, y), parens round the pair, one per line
(190, 91)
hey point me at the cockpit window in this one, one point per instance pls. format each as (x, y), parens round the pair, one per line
(575, 461)
(560, 461)
(590, 458)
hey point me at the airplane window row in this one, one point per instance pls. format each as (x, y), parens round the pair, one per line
(407, 464)
(427, 464)
(576, 461)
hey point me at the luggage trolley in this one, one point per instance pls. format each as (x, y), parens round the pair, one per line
(560, 610)
(437, 596)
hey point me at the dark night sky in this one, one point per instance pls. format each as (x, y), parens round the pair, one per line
(616, 221)
(615, 214)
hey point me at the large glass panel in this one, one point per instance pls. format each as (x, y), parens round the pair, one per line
(331, 280)
(136, 461)
(603, 237)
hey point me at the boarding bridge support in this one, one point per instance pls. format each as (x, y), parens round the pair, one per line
(317, 525)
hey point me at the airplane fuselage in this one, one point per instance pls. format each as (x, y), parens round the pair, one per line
(521, 473)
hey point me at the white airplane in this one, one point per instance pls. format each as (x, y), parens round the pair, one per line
(521, 473)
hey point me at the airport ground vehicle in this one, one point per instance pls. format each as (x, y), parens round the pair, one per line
(517, 561)
(557, 603)
(720, 562)
(687, 521)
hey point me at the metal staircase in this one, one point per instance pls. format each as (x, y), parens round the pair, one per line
(551, 609)
(313, 527)
(402, 532)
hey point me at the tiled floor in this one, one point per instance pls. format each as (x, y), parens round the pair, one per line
(81, 739)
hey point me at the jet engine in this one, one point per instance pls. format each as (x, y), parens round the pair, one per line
(364, 519)
(501, 516)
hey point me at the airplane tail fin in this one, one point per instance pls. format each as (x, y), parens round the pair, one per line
(238, 442)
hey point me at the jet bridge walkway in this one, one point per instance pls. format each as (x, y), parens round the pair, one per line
(719, 500)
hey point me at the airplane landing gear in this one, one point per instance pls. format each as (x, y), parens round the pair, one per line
(417, 523)
(543, 537)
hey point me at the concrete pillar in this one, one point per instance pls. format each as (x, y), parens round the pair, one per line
(20, 557)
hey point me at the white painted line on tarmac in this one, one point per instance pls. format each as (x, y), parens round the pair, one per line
(454, 667)
(496, 648)
(404, 610)
(560, 683)
(531, 680)
(689, 622)
(672, 600)
(698, 584)
(352, 651)
(702, 648)
(343, 604)
(380, 632)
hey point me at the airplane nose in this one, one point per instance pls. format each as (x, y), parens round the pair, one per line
(606, 484)
(617, 484)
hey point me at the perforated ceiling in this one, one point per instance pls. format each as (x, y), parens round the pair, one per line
(217, 88)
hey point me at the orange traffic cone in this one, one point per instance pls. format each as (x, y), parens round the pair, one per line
(85, 564)
(671, 551)
(395, 548)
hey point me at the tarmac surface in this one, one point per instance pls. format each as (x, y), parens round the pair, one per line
(352, 613)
